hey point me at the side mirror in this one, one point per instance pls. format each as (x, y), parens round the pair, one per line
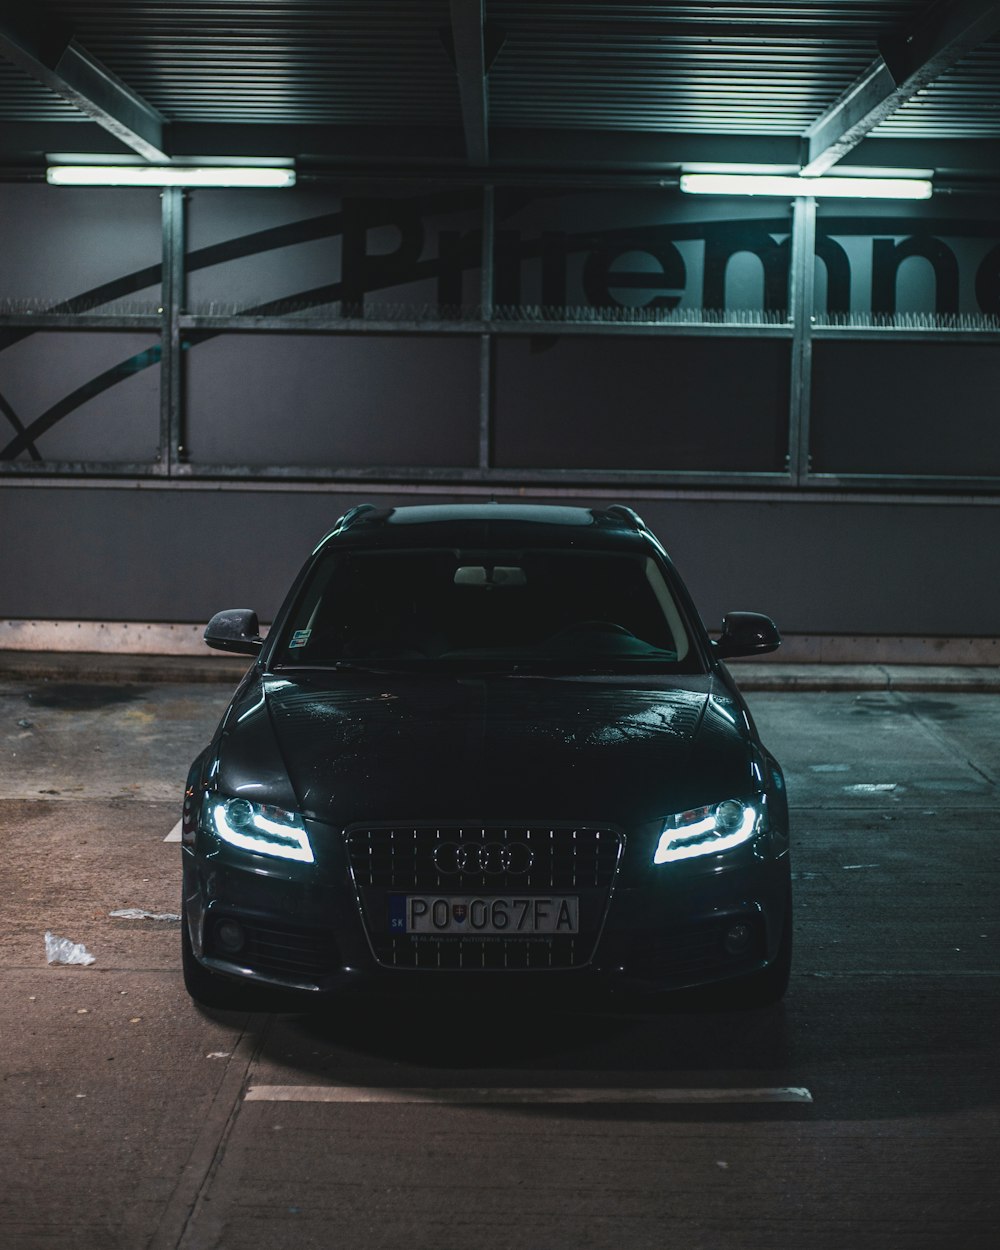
(235, 630)
(747, 633)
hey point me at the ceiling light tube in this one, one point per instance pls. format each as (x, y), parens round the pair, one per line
(792, 184)
(170, 176)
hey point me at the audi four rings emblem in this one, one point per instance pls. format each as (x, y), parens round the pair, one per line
(478, 858)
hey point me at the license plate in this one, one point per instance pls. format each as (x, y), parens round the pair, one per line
(494, 916)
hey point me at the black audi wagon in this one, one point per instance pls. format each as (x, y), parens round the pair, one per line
(486, 745)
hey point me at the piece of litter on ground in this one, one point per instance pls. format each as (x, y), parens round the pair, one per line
(60, 950)
(218, 1054)
(136, 913)
(136, 1020)
(721, 1163)
(83, 1011)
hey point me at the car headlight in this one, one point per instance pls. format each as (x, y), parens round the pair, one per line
(263, 829)
(707, 830)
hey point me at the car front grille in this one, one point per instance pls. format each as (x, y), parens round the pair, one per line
(483, 861)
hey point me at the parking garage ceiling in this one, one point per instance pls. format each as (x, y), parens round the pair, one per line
(503, 89)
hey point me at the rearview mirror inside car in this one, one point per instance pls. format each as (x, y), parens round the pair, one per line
(500, 575)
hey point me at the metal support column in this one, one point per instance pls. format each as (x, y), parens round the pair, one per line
(173, 451)
(486, 339)
(801, 293)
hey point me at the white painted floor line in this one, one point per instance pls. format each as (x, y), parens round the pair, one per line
(441, 1094)
(897, 973)
(175, 834)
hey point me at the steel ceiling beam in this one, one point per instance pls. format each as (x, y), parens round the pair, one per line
(468, 41)
(429, 153)
(906, 64)
(436, 147)
(58, 62)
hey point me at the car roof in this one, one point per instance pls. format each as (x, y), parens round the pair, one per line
(469, 524)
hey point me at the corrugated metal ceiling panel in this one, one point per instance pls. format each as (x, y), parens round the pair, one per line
(723, 69)
(235, 60)
(964, 103)
(24, 99)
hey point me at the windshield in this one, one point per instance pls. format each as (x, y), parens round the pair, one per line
(524, 609)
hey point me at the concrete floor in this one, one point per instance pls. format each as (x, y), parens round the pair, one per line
(125, 1114)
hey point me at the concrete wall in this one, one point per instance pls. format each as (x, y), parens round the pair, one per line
(818, 567)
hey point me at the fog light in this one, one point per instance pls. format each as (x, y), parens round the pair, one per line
(229, 936)
(738, 939)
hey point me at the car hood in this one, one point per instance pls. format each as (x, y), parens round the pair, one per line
(361, 747)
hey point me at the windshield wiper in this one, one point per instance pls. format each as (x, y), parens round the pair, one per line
(596, 664)
(347, 666)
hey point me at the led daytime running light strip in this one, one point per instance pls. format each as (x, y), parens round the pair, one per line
(785, 185)
(677, 844)
(169, 176)
(270, 838)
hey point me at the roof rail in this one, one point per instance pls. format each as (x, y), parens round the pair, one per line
(628, 514)
(352, 515)
(345, 522)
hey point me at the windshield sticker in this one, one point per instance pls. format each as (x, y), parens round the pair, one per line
(300, 638)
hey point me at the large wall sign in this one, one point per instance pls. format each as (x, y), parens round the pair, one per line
(300, 333)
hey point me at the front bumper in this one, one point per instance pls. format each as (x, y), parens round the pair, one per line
(303, 927)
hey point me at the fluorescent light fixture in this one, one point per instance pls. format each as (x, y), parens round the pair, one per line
(793, 184)
(170, 176)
